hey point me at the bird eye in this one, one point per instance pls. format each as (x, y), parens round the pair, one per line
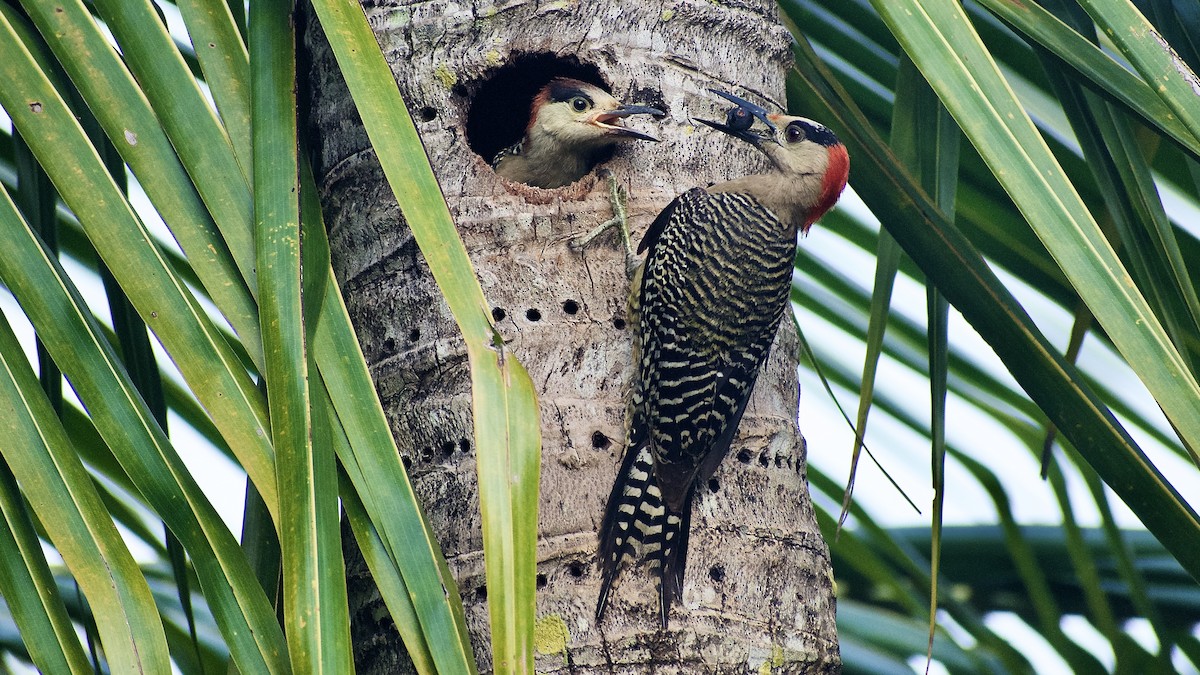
(580, 104)
(795, 133)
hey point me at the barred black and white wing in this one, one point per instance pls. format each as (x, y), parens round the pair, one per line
(713, 289)
(513, 150)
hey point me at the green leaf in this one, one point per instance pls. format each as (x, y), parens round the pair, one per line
(924, 136)
(134, 128)
(938, 35)
(28, 585)
(372, 463)
(899, 635)
(226, 65)
(1103, 74)
(976, 555)
(954, 265)
(1127, 186)
(368, 453)
(61, 492)
(1031, 572)
(1161, 68)
(1118, 547)
(129, 250)
(507, 440)
(508, 498)
(260, 541)
(57, 312)
(887, 262)
(1099, 611)
(314, 589)
(195, 133)
(388, 578)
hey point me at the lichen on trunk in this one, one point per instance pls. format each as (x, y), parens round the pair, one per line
(758, 590)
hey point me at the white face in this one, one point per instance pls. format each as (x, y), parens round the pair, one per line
(798, 147)
(578, 121)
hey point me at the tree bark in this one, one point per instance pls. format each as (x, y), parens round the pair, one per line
(758, 590)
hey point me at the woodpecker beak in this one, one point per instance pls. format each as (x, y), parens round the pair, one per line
(740, 119)
(610, 121)
(754, 138)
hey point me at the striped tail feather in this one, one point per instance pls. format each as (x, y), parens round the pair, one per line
(638, 524)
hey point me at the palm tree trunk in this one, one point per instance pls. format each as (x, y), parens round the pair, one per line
(758, 587)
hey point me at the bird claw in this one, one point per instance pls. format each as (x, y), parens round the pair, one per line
(618, 197)
(579, 243)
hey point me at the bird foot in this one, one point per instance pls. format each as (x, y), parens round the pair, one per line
(619, 198)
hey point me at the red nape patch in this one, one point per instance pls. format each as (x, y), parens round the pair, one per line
(541, 99)
(831, 187)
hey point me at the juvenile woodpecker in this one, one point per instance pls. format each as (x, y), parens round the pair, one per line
(713, 289)
(569, 123)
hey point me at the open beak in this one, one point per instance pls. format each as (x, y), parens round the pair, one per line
(610, 121)
(740, 119)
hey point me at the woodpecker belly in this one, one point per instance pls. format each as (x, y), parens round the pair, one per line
(714, 287)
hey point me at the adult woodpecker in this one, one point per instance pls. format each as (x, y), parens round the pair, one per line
(713, 289)
(570, 122)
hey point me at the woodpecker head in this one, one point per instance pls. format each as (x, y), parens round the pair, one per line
(581, 115)
(811, 164)
(569, 122)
